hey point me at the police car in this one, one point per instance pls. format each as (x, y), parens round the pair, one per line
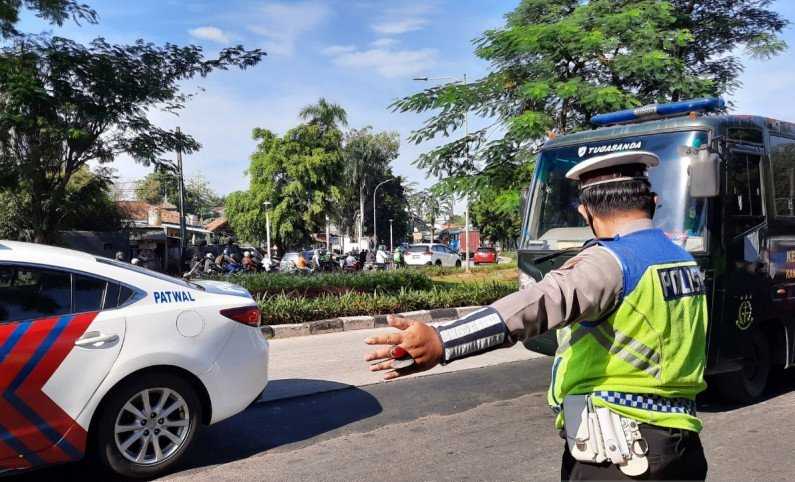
(102, 358)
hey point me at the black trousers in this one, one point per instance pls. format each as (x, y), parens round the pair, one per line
(673, 455)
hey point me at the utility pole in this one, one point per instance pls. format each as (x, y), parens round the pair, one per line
(391, 244)
(183, 229)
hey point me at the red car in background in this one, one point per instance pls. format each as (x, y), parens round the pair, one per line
(485, 254)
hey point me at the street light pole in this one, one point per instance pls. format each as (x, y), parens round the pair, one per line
(267, 205)
(375, 233)
(391, 244)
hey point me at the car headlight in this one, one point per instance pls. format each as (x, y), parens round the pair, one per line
(525, 280)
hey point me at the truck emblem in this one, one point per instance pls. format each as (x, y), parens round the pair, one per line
(745, 314)
(608, 148)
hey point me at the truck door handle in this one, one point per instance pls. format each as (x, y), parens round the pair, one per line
(95, 339)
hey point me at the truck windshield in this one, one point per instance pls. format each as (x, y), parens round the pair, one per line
(552, 221)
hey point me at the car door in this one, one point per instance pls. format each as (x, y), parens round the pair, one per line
(450, 256)
(56, 347)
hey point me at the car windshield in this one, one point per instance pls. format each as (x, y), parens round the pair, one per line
(418, 248)
(552, 221)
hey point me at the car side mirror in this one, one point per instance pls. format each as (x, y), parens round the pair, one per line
(704, 173)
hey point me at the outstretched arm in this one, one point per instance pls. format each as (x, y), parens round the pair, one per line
(587, 287)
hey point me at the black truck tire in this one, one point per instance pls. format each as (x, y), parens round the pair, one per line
(748, 384)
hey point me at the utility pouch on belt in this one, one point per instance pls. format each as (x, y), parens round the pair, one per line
(597, 434)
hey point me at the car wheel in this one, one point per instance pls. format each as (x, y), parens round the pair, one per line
(458, 263)
(438, 262)
(147, 425)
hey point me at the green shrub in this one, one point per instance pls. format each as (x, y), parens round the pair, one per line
(266, 284)
(283, 308)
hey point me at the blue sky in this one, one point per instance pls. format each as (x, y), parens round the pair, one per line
(361, 54)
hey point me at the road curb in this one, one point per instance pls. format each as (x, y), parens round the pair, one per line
(350, 323)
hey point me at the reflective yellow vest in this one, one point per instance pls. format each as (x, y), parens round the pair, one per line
(646, 359)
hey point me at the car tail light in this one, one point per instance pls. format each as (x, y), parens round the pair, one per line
(428, 252)
(248, 315)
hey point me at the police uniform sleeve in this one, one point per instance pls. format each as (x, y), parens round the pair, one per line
(587, 287)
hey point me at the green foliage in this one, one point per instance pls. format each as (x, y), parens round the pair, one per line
(314, 172)
(367, 157)
(65, 104)
(162, 185)
(286, 308)
(332, 283)
(325, 114)
(53, 11)
(555, 63)
(296, 174)
(87, 206)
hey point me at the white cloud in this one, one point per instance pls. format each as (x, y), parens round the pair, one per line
(336, 50)
(383, 42)
(389, 63)
(394, 27)
(283, 24)
(213, 34)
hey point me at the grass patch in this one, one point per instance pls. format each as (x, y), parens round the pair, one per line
(283, 308)
(508, 275)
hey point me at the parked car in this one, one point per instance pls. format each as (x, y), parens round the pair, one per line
(485, 254)
(118, 360)
(431, 254)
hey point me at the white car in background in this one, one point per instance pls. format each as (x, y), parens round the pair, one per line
(101, 355)
(431, 254)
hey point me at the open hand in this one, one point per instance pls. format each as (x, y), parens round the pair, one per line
(420, 341)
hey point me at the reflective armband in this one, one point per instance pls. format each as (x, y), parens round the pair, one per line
(479, 331)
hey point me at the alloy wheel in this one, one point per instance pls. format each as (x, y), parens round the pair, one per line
(152, 426)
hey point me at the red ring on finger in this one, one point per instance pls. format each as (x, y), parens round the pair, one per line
(397, 352)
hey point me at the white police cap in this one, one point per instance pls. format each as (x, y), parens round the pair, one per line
(646, 158)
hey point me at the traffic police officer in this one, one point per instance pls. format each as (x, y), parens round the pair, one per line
(630, 314)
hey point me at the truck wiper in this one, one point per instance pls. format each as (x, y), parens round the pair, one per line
(557, 253)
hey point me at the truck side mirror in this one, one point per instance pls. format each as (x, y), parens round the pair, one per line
(704, 172)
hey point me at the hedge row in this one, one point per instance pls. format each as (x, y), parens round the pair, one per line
(284, 308)
(319, 284)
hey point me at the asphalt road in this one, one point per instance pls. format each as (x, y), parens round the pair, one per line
(489, 423)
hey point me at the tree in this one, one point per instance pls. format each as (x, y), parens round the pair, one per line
(496, 215)
(390, 204)
(427, 207)
(325, 114)
(64, 104)
(555, 63)
(158, 187)
(367, 157)
(87, 206)
(162, 186)
(296, 174)
(54, 11)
